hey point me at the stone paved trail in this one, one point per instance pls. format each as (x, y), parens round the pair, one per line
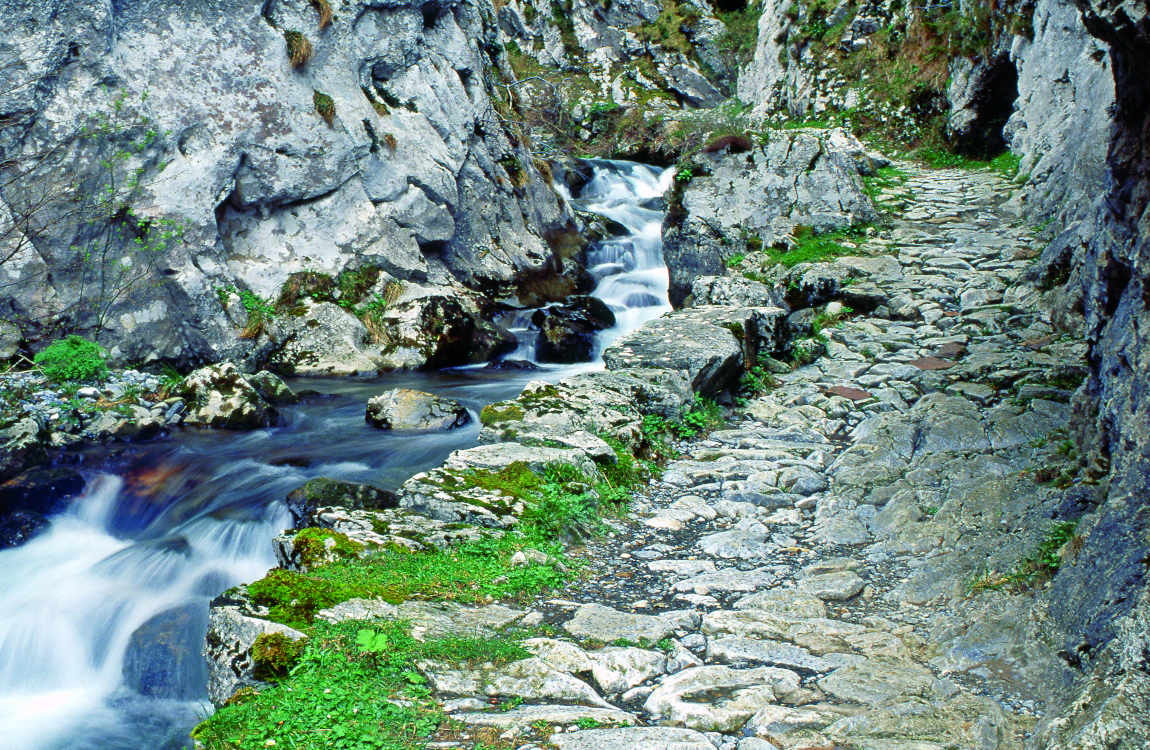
(799, 579)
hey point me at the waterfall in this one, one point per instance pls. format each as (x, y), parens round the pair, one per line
(628, 268)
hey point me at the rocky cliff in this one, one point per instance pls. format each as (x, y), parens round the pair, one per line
(159, 157)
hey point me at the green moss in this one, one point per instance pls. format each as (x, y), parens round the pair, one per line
(299, 49)
(314, 546)
(274, 654)
(494, 414)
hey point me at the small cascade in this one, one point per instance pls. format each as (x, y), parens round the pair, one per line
(628, 268)
(632, 277)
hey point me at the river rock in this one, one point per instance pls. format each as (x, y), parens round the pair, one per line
(567, 332)
(228, 648)
(24, 445)
(220, 396)
(321, 492)
(18, 526)
(406, 410)
(731, 291)
(322, 338)
(162, 660)
(707, 344)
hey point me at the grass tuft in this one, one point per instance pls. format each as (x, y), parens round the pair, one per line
(325, 106)
(323, 7)
(299, 49)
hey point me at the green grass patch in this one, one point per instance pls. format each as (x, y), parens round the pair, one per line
(816, 248)
(561, 503)
(703, 416)
(355, 686)
(1006, 163)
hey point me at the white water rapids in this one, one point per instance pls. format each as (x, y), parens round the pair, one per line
(628, 268)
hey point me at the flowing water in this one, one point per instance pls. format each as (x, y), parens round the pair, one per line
(628, 268)
(102, 616)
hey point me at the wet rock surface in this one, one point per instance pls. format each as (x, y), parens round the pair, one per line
(406, 410)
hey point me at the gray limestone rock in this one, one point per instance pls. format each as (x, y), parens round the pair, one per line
(599, 623)
(718, 698)
(228, 649)
(796, 178)
(407, 410)
(220, 396)
(633, 738)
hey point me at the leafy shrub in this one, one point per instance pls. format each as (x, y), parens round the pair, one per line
(72, 358)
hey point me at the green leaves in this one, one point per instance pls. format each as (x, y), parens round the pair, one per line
(72, 359)
(372, 641)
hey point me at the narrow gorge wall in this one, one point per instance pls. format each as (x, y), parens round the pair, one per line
(379, 147)
(1101, 606)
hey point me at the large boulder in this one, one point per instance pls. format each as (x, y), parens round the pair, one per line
(567, 331)
(259, 184)
(321, 492)
(221, 396)
(708, 344)
(437, 328)
(407, 410)
(231, 633)
(321, 338)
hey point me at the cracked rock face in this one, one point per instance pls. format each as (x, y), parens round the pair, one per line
(414, 174)
(797, 178)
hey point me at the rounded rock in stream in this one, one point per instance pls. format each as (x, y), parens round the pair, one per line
(567, 332)
(406, 410)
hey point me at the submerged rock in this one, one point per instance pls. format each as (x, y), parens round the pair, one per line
(158, 662)
(406, 410)
(567, 332)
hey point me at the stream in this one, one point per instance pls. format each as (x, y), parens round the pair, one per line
(104, 614)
